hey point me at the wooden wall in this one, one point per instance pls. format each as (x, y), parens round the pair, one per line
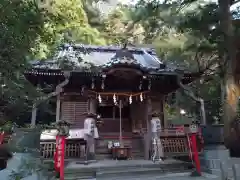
(113, 125)
(72, 108)
(138, 112)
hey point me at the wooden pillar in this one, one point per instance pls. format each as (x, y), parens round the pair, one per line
(165, 118)
(147, 136)
(34, 115)
(93, 105)
(92, 109)
(163, 123)
(58, 108)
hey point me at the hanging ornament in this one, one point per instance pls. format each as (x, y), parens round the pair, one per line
(114, 99)
(149, 84)
(99, 98)
(130, 99)
(93, 84)
(140, 85)
(103, 81)
(141, 97)
(102, 86)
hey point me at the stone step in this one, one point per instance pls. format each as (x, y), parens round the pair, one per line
(138, 172)
(123, 169)
(103, 156)
(123, 173)
(167, 176)
(79, 175)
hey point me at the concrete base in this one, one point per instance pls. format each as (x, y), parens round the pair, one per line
(86, 162)
(212, 158)
(91, 156)
(195, 174)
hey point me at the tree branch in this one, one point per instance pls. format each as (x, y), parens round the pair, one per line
(57, 91)
(189, 93)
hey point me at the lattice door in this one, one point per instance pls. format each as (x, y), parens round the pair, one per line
(72, 112)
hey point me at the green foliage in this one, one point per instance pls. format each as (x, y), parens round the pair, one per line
(68, 22)
(185, 33)
(119, 27)
(188, 34)
(34, 31)
(21, 24)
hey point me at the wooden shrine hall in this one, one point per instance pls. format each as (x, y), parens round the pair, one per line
(123, 85)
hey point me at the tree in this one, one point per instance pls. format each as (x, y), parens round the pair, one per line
(209, 30)
(68, 22)
(21, 24)
(32, 31)
(119, 27)
(231, 75)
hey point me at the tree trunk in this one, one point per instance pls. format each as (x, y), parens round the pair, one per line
(232, 86)
(223, 97)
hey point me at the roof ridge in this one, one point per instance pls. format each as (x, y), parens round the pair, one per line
(107, 47)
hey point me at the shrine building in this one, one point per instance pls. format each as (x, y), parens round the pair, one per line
(123, 85)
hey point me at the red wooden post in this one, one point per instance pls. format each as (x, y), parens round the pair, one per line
(195, 153)
(59, 155)
(62, 157)
(194, 150)
(2, 137)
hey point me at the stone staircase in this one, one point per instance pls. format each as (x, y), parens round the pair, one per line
(114, 169)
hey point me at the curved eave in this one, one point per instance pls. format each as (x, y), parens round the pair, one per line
(44, 72)
(137, 67)
(188, 77)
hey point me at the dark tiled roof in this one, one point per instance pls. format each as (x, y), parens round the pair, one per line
(83, 57)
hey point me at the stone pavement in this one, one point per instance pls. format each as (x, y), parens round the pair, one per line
(15, 163)
(175, 176)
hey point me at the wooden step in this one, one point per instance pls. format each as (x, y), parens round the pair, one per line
(103, 156)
